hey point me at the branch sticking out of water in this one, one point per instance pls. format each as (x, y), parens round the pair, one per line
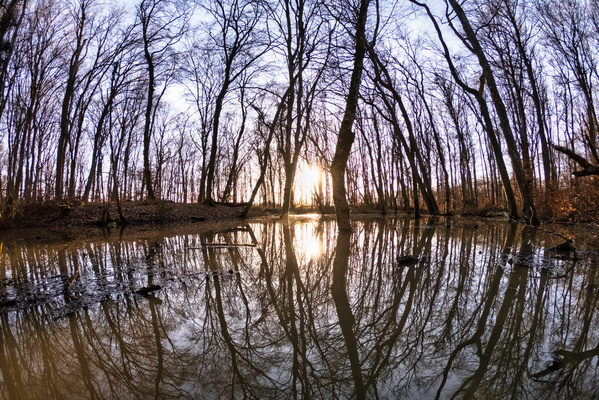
(220, 245)
(68, 290)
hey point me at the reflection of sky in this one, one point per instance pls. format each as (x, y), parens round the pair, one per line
(266, 329)
(308, 241)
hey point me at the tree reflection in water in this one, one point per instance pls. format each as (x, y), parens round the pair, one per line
(397, 309)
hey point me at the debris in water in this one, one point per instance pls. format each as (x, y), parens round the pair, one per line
(564, 247)
(144, 291)
(407, 261)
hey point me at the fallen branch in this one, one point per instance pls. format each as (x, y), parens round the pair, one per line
(220, 203)
(220, 245)
(71, 284)
(588, 168)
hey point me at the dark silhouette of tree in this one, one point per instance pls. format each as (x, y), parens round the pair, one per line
(487, 120)
(307, 52)
(240, 42)
(472, 42)
(80, 14)
(11, 18)
(162, 24)
(358, 14)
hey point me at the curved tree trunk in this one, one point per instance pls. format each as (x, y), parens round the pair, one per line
(346, 134)
(487, 120)
(528, 207)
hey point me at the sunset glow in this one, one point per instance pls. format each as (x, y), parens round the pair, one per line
(308, 242)
(307, 182)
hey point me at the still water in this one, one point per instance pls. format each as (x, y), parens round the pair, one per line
(399, 309)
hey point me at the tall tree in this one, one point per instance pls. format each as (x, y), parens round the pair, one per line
(80, 14)
(35, 73)
(202, 83)
(11, 17)
(162, 24)
(358, 17)
(478, 94)
(240, 41)
(523, 37)
(123, 69)
(570, 31)
(105, 44)
(472, 42)
(306, 54)
(420, 170)
(264, 153)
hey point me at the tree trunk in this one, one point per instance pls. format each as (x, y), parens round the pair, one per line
(147, 135)
(209, 200)
(528, 207)
(65, 116)
(346, 134)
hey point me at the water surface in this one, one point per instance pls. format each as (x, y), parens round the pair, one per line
(398, 309)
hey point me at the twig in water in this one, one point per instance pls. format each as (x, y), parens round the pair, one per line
(71, 284)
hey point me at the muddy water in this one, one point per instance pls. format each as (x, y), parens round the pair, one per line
(398, 309)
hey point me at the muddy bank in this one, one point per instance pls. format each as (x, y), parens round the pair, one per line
(72, 214)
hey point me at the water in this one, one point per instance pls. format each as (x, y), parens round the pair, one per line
(399, 309)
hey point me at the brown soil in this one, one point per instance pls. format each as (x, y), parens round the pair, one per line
(66, 215)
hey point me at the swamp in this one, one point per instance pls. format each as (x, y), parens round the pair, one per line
(401, 308)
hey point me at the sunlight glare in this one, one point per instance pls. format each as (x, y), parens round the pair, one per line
(308, 180)
(308, 242)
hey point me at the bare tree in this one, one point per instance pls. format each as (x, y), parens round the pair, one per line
(487, 120)
(307, 52)
(201, 80)
(240, 42)
(472, 42)
(80, 14)
(162, 24)
(358, 13)
(264, 153)
(123, 68)
(11, 18)
(523, 38)
(570, 29)
(35, 71)
(420, 172)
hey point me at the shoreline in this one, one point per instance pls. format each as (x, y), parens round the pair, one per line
(73, 216)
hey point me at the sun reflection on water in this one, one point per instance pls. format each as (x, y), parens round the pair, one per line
(308, 241)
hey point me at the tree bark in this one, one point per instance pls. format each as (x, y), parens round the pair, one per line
(486, 121)
(346, 134)
(69, 93)
(147, 134)
(528, 207)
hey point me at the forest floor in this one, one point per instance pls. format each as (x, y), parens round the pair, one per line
(78, 218)
(69, 215)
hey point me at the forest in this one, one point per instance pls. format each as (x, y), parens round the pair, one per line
(436, 107)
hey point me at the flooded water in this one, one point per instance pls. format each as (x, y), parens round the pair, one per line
(399, 309)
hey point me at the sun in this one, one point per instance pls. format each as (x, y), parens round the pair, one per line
(308, 180)
(313, 175)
